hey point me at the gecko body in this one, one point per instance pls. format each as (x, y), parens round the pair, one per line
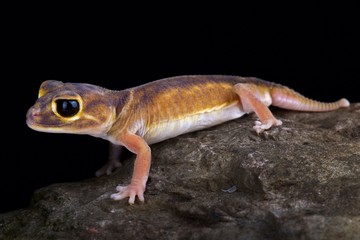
(159, 110)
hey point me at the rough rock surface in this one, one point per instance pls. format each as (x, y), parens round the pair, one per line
(297, 181)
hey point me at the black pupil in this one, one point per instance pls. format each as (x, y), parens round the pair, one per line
(67, 108)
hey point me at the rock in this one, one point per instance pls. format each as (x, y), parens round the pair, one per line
(297, 181)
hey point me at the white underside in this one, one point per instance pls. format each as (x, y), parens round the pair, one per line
(170, 129)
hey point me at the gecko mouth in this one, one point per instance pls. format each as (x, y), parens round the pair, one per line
(34, 123)
(44, 127)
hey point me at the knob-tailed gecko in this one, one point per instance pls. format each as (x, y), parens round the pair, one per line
(159, 110)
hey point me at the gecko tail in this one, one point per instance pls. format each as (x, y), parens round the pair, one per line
(287, 98)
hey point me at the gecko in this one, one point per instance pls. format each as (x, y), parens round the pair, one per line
(137, 117)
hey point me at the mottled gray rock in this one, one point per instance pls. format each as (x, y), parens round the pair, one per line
(297, 181)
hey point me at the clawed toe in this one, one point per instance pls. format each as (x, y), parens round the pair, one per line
(259, 126)
(130, 191)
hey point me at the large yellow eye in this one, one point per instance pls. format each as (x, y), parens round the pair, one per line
(67, 107)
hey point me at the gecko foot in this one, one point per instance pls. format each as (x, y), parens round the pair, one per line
(262, 126)
(108, 168)
(130, 191)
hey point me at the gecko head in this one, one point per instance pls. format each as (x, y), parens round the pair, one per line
(71, 108)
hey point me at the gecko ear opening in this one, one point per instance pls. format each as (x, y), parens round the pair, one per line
(49, 85)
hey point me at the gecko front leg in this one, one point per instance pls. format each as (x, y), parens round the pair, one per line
(138, 146)
(114, 160)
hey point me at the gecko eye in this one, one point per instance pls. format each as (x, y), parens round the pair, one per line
(67, 107)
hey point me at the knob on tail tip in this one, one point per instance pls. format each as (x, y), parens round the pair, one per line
(344, 102)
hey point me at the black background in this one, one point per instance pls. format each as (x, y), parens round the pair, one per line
(313, 49)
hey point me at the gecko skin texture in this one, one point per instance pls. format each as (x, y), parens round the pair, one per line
(136, 117)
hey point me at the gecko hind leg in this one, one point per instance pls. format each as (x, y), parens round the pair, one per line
(257, 99)
(114, 160)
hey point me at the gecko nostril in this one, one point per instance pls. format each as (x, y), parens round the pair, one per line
(33, 113)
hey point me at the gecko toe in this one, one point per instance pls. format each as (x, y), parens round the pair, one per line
(117, 196)
(132, 198)
(130, 191)
(120, 188)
